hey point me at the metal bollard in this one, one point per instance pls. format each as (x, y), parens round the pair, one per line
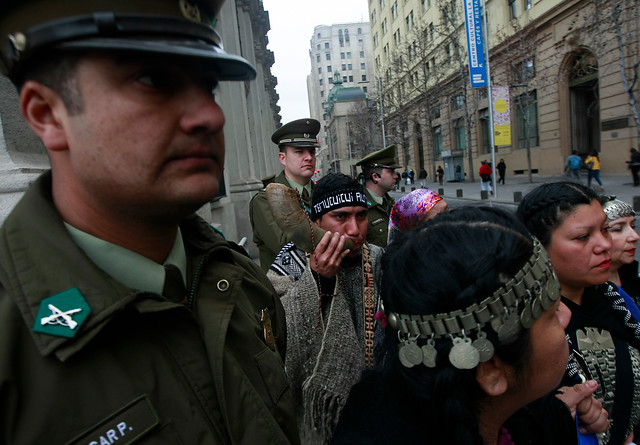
(441, 191)
(484, 194)
(517, 196)
(636, 203)
(459, 193)
(413, 189)
(402, 189)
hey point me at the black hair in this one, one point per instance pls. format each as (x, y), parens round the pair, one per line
(368, 172)
(57, 71)
(545, 207)
(448, 264)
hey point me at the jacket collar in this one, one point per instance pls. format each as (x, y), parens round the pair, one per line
(35, 230)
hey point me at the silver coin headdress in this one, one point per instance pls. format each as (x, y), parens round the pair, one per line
(614, 208)
(511, 308)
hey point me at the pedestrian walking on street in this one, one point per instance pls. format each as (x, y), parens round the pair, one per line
(593, 169)
(440, 174)
(572, 166)
(502, 169)
(423, 177)
(458, 172)
(485, 177)
(634, 166)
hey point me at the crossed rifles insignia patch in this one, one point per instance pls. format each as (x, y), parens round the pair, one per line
(62, 314)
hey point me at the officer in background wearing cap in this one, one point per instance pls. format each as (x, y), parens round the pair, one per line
(124, 316)
(378, 169)
(297, 142)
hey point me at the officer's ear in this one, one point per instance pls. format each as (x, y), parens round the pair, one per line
(43, 109)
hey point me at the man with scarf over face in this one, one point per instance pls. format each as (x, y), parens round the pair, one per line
(330, 299)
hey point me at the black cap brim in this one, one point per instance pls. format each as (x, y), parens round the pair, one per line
(227, 66)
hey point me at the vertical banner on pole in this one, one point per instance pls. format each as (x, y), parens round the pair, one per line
(501, 115)
(475, 47)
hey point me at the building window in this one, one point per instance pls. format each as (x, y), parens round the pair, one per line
(344, 67)
(322, 93)
(457, 101)
(382, 3)
(326, 45)
(349, 66)
(435, 111)
(360, 43)
(344, 79)
(318, 46)
(512, 9)
(424, 4)
(346, 35)
(319, 35)
(321, 82)
(319, 70)
(364, 77)
(342, 55)
(461, 142)
(373, 17)
(525, 70)
(385, 26)
(375, 40)
(394, 10)
(329, 69)
(361, 54)
(331, 80)
(528, 4)
(350, 78)
(527, 109)
(364, 89)
(348, 54)
(437, 141)
(328, 56)
(359, 31)
(484, 130)
(362, 66)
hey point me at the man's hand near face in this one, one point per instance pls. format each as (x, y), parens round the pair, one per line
(328, 255)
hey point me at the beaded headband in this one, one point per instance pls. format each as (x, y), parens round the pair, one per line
(614, 208)
(533, 289)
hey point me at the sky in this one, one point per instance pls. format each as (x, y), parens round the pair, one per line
(292, 23)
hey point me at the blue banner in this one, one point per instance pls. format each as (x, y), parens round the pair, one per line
(475, 47)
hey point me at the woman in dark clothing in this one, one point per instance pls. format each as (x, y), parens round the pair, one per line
(433, 385)
(569, 221)
(502, 168)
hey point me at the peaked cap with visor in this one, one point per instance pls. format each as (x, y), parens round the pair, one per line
(176, 28)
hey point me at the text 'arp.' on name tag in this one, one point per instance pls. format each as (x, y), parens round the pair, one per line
(122, 427)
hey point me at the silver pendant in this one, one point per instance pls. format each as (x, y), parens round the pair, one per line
(484, 346)
(526, 318)
(463, 355)
(536, 308)
(410, 354)
(510, 329)
(545, 301)
(429, 354)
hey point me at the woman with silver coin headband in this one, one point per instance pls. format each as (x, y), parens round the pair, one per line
(569, 221)
(474, 342)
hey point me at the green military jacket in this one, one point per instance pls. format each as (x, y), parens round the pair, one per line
(266, 233)
(378, 219)
(139, 367)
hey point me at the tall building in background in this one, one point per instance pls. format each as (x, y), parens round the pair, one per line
(566, 68)
(343, 48)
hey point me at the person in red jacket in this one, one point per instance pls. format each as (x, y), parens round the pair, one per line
(485, 176)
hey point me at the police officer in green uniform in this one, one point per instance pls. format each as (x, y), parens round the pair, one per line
(378, 169)
(124, 317)
(297, 143)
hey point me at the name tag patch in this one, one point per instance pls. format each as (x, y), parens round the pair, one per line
(122, 427)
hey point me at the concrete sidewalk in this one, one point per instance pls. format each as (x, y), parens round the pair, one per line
(619, 185)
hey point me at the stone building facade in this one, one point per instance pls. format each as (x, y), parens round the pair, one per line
(560, 61)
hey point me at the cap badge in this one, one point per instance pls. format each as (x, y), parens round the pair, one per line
(306, 135)
(62, 314)
(190, 11)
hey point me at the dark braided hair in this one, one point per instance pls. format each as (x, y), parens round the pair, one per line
(446, 264)
(545, 207)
